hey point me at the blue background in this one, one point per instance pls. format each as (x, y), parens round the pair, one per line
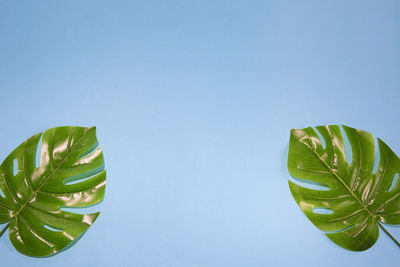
(193, 101)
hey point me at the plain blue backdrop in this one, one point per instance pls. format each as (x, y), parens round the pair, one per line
(194, 100)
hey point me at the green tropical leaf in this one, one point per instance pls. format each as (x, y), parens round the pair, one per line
(354, 199)
(70, 174)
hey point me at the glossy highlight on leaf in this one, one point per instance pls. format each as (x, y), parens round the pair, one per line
(32, 194)
(357, 199)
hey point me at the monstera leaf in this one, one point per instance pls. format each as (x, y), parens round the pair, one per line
(351, 200)
(70, 174)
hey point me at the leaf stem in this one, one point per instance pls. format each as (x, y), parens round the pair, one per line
(4, 229)
(386, 232)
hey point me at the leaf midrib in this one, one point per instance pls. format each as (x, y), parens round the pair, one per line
(34, 193)
(341, 181)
